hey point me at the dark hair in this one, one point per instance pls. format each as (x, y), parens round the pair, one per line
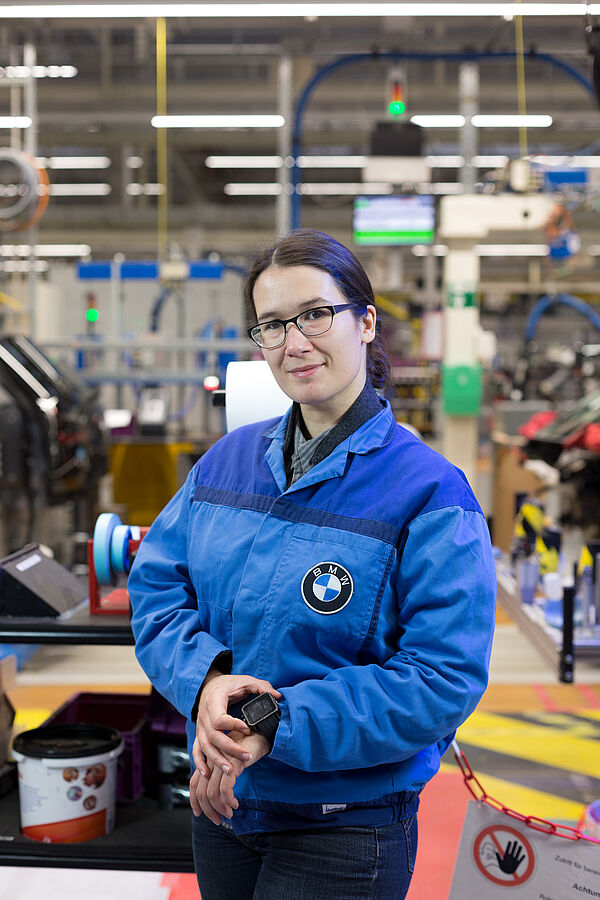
(307, 247)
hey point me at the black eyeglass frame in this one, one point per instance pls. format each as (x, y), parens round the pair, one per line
(333, 309)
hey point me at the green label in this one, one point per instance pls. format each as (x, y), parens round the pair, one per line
(460, 297)
(393, 237)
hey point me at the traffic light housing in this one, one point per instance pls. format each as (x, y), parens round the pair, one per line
(396, 92)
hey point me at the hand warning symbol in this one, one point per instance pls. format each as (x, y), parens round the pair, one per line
(512, 859)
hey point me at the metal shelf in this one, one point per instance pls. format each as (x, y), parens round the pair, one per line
(549, 642)
(146, 837)
(79, 628)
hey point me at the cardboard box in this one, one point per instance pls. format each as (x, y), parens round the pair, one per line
(510, 479)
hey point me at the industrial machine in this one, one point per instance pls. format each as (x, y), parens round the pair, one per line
(52, 442)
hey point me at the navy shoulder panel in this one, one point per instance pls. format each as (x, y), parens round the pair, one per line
(394, 484)
(237, 461)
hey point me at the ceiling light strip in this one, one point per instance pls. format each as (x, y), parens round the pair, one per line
(231, 121)
(344, 188)
(290, 10)
(74, 162)
(15, 122)
(60, 250)
(80, 190)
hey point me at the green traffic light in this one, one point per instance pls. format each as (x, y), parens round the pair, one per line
(92, 314)
(397, 107)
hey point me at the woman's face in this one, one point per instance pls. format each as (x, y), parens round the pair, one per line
(327, 372)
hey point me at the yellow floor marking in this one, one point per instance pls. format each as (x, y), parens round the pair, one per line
(526, 800)
(541, 744)
(566, 725)
(588, 713)
(30, 718)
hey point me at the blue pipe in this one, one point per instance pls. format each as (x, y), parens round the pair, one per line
(374, 57)
(233, 267)
(549, 300)
(158, 305)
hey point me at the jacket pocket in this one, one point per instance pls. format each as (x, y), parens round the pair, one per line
(216, 621)
(325, 596)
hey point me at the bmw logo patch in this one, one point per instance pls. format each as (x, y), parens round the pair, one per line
(327, 587)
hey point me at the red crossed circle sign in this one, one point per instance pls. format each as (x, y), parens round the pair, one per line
(512, 848)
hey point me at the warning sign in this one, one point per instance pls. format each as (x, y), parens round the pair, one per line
(504, 855)
(500, 858)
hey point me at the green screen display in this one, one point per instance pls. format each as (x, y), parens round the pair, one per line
(401, 220)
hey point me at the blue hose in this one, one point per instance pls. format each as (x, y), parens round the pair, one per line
(158, 305)
(374, 57)
(549, 300)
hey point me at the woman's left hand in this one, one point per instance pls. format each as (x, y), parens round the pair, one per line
(212, 793)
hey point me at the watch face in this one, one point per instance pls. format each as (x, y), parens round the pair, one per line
(258, 709)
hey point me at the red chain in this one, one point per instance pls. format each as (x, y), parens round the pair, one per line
(480, 794)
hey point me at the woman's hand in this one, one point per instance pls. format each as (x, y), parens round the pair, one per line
(211, 790)
(213, 720)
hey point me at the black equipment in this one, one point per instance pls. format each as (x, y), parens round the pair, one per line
(32, 584)
(52, 438)
(396, 139)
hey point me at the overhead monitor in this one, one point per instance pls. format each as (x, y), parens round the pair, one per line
(394, 220)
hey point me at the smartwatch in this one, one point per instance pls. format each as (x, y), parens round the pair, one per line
(261, 713)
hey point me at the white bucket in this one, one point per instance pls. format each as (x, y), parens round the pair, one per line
(67, 781)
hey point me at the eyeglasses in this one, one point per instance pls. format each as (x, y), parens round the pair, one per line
(312, 322)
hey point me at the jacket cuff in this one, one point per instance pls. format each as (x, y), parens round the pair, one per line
(223, 662)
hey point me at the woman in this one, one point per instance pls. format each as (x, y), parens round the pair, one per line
(319, 600)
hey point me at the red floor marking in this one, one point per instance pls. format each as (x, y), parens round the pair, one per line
(441, 816)
(590, 695)
(545, 698)
(183, 886)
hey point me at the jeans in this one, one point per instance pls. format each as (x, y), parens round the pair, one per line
(350, 863)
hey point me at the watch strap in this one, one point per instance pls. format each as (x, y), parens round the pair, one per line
(268, 726)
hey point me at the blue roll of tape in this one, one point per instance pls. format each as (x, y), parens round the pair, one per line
(119, 550)
(103, 531)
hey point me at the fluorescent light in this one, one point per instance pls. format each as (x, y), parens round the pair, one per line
(244, 162)
(511, 121)
(79, 190)
(488, 250)
(37, 72)
(276, 162)
(290, 10)
(24, 250)
(447, 121)
(134, 162)
(345, 188)
(149, 189)
(444, 162)
(482, 121)
(332, 162)
(217, 121)
(23, 266)
(485, 162)
(572, 162)
(325, 189)
(15, 121)
(457, 162)
(75, 162)
(252, 190)
(511, 249)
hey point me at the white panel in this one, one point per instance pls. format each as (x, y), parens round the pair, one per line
(396, 169)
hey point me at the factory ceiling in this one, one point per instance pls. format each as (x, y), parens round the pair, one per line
(233, 66)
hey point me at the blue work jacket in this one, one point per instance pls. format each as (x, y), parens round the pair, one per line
(364, 592)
